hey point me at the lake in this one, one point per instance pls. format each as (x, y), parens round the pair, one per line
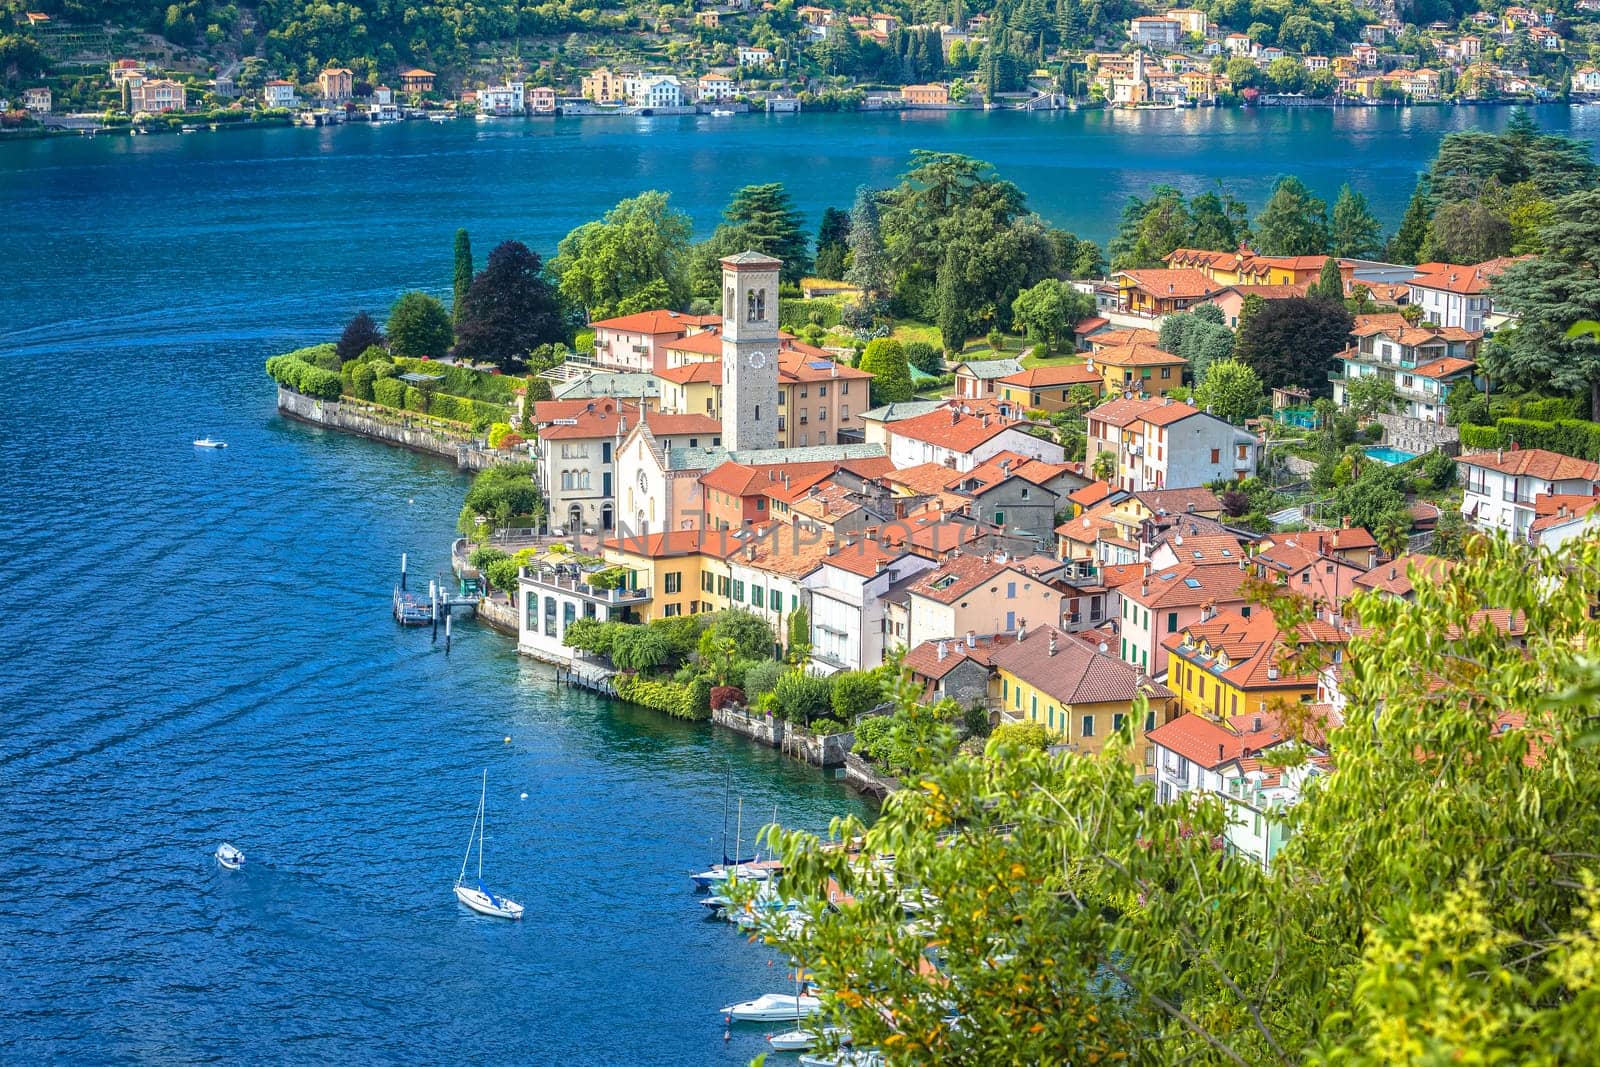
(201, 641)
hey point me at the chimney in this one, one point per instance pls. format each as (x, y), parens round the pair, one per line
(1392, 572)
(1144, 589)
(1499, 455)
(1255, 727)
(1272, 673)
(972, 639)
(986, 419)
(941, 652)
(955, 416)
(1220, 751)
(1022, 629)
(833, 548)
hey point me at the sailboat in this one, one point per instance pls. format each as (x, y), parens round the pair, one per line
(477, 897)
(748, 870)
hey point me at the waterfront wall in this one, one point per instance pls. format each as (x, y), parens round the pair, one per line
(826, 751)
(333, 415)
(501, 615)
(860, 776)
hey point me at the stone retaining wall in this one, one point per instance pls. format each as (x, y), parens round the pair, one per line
(1419, 435)
(419, 438)
(829, 750)
(863, 777)
(498, 614)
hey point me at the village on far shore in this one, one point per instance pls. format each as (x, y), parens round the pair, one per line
(732, 58)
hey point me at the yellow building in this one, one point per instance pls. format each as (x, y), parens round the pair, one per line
(1244, 267)
(603, 86)
(1050, 388)
(685, 571)
(1138, 368)
(1080, 695)
(1231, 664)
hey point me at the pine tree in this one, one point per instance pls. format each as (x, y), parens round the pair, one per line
(463, 277)
(1355, 231)
(1293, 222)
(1406, 244)
(1330, 283)
(869, 264)
(954, 320)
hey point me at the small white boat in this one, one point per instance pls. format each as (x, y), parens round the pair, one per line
(229, 858)
(805, 1040)
(772, 1008)
(206, 442)
(721, 112)
(845, 1058)
(478, 897)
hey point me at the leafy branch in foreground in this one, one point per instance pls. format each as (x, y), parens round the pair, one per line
(1436, 902)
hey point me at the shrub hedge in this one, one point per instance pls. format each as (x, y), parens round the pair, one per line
(463, 381)
(1572, 437)
(795, 315)
(390, 392)
(674, 699)
(292, 372)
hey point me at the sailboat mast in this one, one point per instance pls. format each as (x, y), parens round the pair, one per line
(483, 795)
(727, 784)
(468, 857)
(738, 833)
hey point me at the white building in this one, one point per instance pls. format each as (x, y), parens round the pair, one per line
(551, 596)
(655, 90)
(715, 88)
(1161, 443)
(1450, 294)
(753, 57)
(848, 605)
(1153, 31)
(279, 93)
(508, 99)
(1499, 489)
(1196, 756)
(956, 437)
(38, 100)
(577, 447)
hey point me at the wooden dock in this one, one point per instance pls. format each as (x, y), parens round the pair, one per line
(596, 679)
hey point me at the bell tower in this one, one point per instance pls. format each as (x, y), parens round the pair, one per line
(750, 351)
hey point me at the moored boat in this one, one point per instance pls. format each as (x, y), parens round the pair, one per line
(773, 1007)
(805, 1040)
(229, 857)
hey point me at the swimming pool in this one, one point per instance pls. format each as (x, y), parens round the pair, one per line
(1390, 456)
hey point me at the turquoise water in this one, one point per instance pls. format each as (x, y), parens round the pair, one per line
(200, 644)
(1390, 456)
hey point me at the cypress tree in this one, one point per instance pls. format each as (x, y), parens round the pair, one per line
(463, 277)
(1406, 244)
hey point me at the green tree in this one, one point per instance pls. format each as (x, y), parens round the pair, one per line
(855, 693)
(638, 648)
(955, 321)
(1406, 244)
(510, 309)
(750, 634)
(1549, 295)
(1469, 231)
(1294, 342)
(833, 244)
(1359, 945)
(885, 360)
(869, 264)
(760, 218)
(799, 644)
(1330, 283)
(418, 326)
(360, 334)
(1369, 395)
(634, 259)
(463, 271)
(1293, 222)
(1355, 232)
(1221, 221)
(1151, 229)
(1048, 311)
(924, 357)
(802, 697)
(1231, 391)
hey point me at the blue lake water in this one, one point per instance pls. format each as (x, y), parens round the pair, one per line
(200, 642)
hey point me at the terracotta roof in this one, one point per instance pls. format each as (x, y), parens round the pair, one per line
(1130, 336)
(960, 575)
(861, 557)
(1207, 548)
(1535, 463)
(1271, 292)
(1091, 494)
(705, 371)
(581, 419)
(1139, 354)
(1181, 283)
(1444, 367)
(1003, 465)
(1209, 743)
(1188, 585)
(1249, 651)
(1091, 324)
(1155, 410)
(925, 478)
(718, 543)
(1074, 673)
(663, 425)
(1047, 377)
(656, 322)
(704, 343)
(1463, 280)
(924, 659)
(1558, 509)
(1395, 576)
(802, 363)
(949, 428)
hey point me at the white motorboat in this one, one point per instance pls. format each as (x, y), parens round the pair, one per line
(478, 897)
(207, 442)
(772, 1008)
(805, 1040)
(229, 857)
(721, 112)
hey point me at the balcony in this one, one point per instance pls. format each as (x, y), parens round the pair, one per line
(550, 579)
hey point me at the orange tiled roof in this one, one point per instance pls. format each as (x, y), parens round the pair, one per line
(581, 419)
(707, 371)
(1170, 283)
(656, 322)
(676, 425)
(1047, 377)
(1395, 577)
(924, 659)
(1536, 463)
(1462, 280)
(950, 428)
(1139, 354)
(1189, 585)
(1074, 673)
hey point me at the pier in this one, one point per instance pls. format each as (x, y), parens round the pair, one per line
(413, 609)
(595, 679)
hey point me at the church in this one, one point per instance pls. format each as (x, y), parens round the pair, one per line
(658, 470)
